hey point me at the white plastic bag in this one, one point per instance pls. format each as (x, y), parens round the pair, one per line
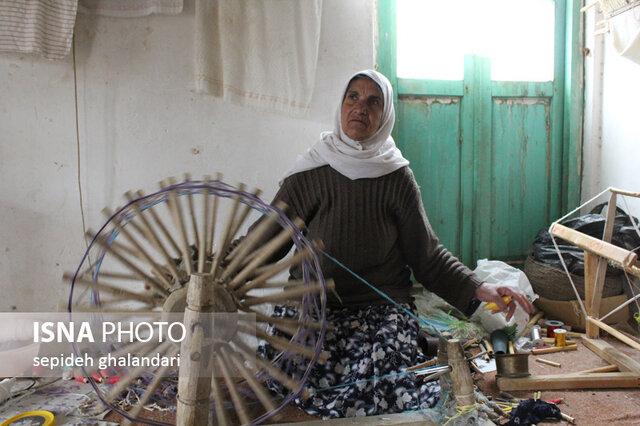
(497, 272)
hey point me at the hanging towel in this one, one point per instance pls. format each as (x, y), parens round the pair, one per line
(258, 53)
(130, 8)
(42, 27)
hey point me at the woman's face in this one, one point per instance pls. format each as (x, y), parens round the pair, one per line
(362, 106)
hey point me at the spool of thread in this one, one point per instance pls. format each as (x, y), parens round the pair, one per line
(40, 417)
(552, 325)
(560, 337)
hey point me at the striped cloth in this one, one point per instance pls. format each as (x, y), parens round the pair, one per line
(42, 27)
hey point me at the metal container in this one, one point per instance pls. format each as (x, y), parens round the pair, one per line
(512, 365)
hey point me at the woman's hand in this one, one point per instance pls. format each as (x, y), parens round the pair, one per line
(487, 292)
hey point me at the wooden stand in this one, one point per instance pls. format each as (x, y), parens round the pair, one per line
(460, 375)
(597, 254)
(194, 380)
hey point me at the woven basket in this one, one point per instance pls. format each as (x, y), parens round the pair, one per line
(553, 284)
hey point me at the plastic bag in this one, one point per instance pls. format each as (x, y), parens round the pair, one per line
(592, 224)
(497, 272)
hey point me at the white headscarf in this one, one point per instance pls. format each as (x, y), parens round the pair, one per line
(371, 158)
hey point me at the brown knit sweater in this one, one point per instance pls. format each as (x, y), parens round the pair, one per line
(377, 228)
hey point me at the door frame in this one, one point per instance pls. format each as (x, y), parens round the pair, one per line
(570, 96)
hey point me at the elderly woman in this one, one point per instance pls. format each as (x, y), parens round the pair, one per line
(355, 191)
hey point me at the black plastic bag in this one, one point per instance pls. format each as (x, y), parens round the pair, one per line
(592, 224)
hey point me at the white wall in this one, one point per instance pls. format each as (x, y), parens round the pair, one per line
(612, 122)
(139, 121)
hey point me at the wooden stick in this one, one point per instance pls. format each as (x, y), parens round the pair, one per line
(590, 272)
(226, 238)
(246, 209)
(618, 255)
(264, 253)
(157, 285)
(162, 226)
(250, 356)
(570, 381)
(271, 270)
(134, 242)
(292, 294)
(605, 369)
(216, 393)
(204, 223)
(151, 388)
(212, 224)
(253, 238)
(546, 361)
(192, 211)
(422, 365)
(176, 213)
(257, 388)
(152, 236)
(108, 288)
(241, 409)
(623, 192)
(114, 275)
(615, 333)
(543, 351)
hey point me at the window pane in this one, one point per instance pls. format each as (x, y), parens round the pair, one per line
(434, 35)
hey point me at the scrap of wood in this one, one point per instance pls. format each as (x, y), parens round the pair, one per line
(546, 361)
(612, 355)
(554, 349)
(570, 381)
(605, 369)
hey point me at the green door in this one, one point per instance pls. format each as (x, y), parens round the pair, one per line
(487, 153)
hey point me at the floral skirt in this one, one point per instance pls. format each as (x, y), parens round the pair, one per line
(368, 348)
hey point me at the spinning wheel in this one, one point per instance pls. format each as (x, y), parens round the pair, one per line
(164, 253)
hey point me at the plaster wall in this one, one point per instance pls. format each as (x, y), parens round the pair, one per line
(612, 126)
(139, 121)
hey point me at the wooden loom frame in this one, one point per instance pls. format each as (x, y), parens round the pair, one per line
(597, 254)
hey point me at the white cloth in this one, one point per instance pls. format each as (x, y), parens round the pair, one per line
(42, 27)
(258, 53)
(375, 157)
(625, 34)
(130, 8)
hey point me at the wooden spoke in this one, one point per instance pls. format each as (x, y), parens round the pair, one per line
(157, 285)
(212, 221)
(108, 288)
(132, 348)
(192, 211)
(128, 379)
(292, 294)
(256, 387)
(204, 223)
(244, 213)
(264, 253)
(248, 244)
(289, 322)
(176, 213)
(269, 271)
(102, 306)
(216, 394)
(163, 229)
(241, 410)
(253, 285)
(226, 237)
(153, 237)
(134, 242)
(115, 275)
(148, 393)
(278, 342)
(250, 356)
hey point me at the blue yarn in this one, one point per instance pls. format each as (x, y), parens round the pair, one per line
(377, 290)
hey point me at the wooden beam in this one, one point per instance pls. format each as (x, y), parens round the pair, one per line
(616, 254)
(615, 333)
(408, 418)
(570, 381)
(590, 282)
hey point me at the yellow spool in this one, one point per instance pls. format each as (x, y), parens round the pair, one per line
(561, 337)
(44, 418)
